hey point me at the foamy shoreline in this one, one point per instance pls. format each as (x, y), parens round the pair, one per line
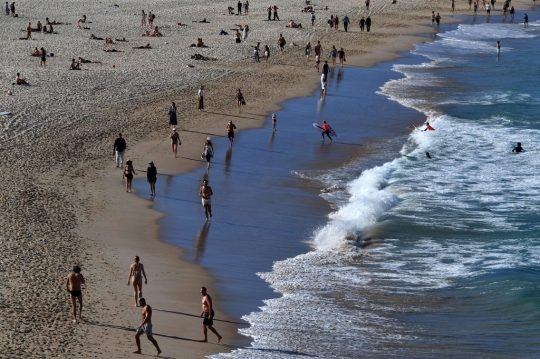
(58, 154)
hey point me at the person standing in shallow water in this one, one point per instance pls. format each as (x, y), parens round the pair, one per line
(73, 285)
(136, 273)
(206, 193)
(230, 131)
(208, 314)
(151, 177)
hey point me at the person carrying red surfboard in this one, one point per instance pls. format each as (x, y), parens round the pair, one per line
(326, 130)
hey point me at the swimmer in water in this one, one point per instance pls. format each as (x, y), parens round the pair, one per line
(428, 127)
(518, 148)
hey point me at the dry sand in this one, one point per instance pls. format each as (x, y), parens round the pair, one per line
(63, 200)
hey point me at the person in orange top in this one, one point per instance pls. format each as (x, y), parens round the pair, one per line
(428, 127)
(326, 130)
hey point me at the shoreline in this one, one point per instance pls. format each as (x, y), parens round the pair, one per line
(64, 180)
(381, 53)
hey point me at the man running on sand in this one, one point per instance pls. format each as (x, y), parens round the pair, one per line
(230, 131)
(145, 327)
(208, 314)
(73, 286)
(206, 192)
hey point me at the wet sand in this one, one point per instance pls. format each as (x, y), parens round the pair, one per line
(64, 201)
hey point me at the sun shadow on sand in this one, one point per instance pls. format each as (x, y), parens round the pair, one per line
(237, 116)
(128, 329)
(198, 316)
(204, 133)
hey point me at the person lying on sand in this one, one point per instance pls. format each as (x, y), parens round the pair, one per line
(82, 20)
(294, 25)
(84, 61)
(94, 37)
(201, 57)
(203, 21)
(113, 50)
(180, 24)
(35, 53)
(80, 27)
(109, 41)
(47, 22)
(147, 46)
(308, 9)
(19, 81)
(74, 65)
(121, 40)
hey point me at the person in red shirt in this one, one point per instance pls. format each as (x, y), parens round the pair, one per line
(428, 127)
(326, 130)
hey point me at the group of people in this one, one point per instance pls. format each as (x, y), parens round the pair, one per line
(75, 281)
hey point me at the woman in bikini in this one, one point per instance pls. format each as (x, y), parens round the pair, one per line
(129, 171)
(136, 271)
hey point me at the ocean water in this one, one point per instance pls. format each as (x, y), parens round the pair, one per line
(427, 258)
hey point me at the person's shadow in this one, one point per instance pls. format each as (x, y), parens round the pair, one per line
(200, 242)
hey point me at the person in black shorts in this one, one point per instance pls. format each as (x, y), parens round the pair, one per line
(208, 314)
(74, 282)
(230, 131)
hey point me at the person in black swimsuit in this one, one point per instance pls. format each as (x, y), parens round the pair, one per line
(151, 177)
(129, 171)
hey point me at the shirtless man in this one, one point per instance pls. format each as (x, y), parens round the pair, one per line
(19, 81)
(73, 286)
(230, 131)
(208, 315)
(145, 327)
(94, 37)
(82, 20)
(206, 192)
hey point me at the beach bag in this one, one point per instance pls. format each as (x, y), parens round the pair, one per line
(152, 17)
(243, 102)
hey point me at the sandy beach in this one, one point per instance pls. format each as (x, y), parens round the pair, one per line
(64, 200)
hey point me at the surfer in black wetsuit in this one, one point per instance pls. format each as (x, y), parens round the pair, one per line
(428, 155)
(518, 148)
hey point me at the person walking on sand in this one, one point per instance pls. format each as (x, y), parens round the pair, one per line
(318, 48)
(119, 148)
(341, 55)
(368, 24)
(240, 100)
(345, 22)
(200, 99)
(362, 24)
(42, 58)
(172, 115)
(206, 193)
(333, 55)
(326, 130)
(274, 122)
(281, 42)
(145, 327)
(6, 8)
(256, 50)
(275, 8)
(312, 18)
(136, 273)
(74, 281)
(208, 151)
(175, 141)
(208, 314)
(143, 18)
(151, 177)
(308, 50)
(266, 53)
(129, 171)
(230, 132)
(239, 7)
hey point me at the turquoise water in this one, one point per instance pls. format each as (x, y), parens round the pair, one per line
(418, 257)
(427, 257)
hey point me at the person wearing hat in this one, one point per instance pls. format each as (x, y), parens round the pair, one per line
(175, 141)
(208, 151)
(151, 177)
(230, 131)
